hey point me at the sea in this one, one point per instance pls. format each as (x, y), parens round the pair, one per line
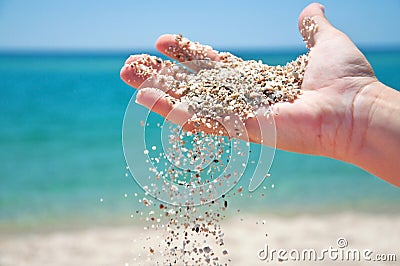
(62, 163)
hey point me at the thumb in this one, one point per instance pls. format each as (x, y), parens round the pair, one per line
(313, 25)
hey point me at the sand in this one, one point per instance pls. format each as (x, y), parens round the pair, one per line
(123, 245)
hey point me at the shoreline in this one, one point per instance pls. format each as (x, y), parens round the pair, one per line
(126, 245)
(129, 219)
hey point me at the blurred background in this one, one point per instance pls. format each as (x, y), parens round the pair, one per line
(62, 103)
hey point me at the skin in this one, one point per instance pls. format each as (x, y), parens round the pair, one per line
(344, 112)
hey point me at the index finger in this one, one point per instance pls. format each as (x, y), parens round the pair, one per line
(182, 49)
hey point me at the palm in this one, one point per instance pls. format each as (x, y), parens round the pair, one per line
(320, 119)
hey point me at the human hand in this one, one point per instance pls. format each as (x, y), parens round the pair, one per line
(320, 120)
(331, 116)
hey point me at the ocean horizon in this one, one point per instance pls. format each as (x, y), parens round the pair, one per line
(63, 163)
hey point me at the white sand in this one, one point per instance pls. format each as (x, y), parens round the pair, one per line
(122, 245)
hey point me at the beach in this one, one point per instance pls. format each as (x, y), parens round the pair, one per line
(98, 166)
(122, 245)
(67, 197)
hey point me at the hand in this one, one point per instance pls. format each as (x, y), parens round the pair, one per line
(320, 121)
(331, 116)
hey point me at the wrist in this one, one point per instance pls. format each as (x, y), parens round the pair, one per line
(374, 142)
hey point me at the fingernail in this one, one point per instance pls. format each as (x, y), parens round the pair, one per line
(322, 8)
(148, 96)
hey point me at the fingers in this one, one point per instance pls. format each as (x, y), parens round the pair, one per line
(177, 112)
(138, 68)
(164, 105)
(155, 94)
(313, 33)
(183, 50)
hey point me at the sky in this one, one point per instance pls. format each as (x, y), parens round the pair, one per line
(48, 25)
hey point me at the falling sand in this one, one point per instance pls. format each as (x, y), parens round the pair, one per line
(226, 91)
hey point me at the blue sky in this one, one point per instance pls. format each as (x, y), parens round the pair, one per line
(128, 25)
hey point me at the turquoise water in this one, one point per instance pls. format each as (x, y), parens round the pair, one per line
(62, 162)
